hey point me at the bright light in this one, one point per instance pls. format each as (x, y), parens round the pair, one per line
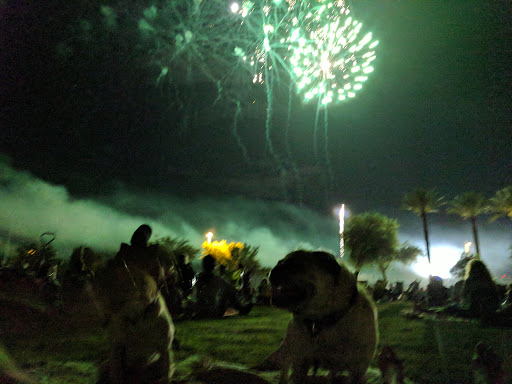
(467, 246)
(342, 230)
(235, 7)
(209, 236)
(442, 259)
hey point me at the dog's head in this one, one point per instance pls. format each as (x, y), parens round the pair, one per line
(310, 283)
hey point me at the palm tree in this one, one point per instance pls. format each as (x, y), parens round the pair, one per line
(501, 203)
(469, 205)
(422, 202)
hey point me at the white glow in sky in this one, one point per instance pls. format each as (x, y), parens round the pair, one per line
(235, 7)
(443, 258)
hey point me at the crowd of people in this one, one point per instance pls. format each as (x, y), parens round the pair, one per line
(138, 294)
(476, 296)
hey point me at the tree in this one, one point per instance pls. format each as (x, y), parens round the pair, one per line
(469, 205)
(459, 269)
(233, 254)
(370, 237)
(501, 203)
(405, 254)
(421, 202)
(175, 247)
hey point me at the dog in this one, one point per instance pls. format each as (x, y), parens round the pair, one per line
(334, 323)
(141, 330)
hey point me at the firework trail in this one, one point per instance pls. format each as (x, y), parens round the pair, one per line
(299, 183)
(235, 131)
(314, 46)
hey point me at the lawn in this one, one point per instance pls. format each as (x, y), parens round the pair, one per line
(68, 348)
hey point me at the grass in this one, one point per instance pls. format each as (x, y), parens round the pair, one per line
(68, 348)
(246, 340)
(436, 350)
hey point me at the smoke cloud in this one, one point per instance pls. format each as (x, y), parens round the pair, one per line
(30, 206)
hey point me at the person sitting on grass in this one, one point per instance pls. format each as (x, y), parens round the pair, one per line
(437, 293)
(212, 295)
(480, 293)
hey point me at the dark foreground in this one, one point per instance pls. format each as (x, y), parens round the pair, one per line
(68, 347)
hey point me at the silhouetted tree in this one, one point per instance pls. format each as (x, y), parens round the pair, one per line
(501, 203)
(370, 237)
(405, 254)
(459, 269)
(175, 247)
(470, 205)
(422, 202)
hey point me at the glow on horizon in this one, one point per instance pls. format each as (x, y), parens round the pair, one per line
(443, 258)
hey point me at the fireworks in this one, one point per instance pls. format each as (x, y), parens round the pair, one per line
(265, 25)
(331, 61)
(316, 42)
(312, 48)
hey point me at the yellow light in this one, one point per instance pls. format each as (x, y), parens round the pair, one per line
(221, 250)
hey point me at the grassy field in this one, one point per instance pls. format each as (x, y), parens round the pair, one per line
(68, 348)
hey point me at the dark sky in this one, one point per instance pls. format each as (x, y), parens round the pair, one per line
(80, 108)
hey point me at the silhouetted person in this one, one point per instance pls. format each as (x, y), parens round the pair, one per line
(187, 275)
(379, 290)
(213, 295)
(437, 293)
(396, 291)
(264, 292)
(172, 294)
(480, 292)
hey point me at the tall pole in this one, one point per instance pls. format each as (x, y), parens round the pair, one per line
(342, 229)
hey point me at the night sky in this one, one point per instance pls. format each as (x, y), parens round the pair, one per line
(92, 146)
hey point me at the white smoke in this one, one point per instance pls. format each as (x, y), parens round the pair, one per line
(30, 206)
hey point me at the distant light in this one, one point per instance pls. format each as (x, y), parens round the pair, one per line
(209, 236)
(505, 275)
(235, 7)
(443, 258)
(342, 230)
